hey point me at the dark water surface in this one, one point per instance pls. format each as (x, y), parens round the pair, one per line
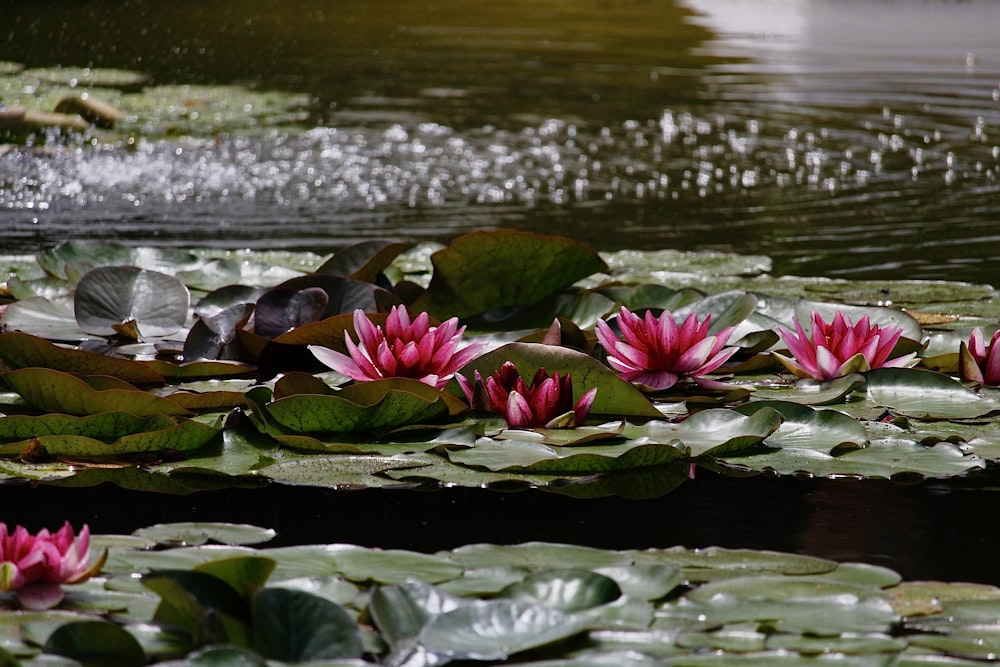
(843, 138)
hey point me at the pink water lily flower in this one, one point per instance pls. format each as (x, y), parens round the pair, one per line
(409, 349)
(547, 401)
(839, 348)
(656, 353)
(979, 361)
(36, 566)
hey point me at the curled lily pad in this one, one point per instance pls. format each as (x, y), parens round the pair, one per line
(110, 296)
(56, 391)
(21, 350)
(715, 432)
(284, 308)
(363, 261)
(569, 589)
(809, 428)
(214, 336)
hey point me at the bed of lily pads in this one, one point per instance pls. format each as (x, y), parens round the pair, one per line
(150, 111)
(209, 382)
(176, 371)
(197, 594)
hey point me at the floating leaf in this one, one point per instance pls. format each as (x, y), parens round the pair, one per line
(568, 589)
(807, 428)
(538, 556)
(295, 626)
(56, 391)
(375, 407)
(53, 319)
(401, 611)
(714, 432)
(214, 336)
(495, 629)
(535, 457)
(96, 644)
(192, 533)
(186, 435)
(926, 394)
(284, 308)
(363, 261)
(21, 350)
(486, 270)
(113, 295)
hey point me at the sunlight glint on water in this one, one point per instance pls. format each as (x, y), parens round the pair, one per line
(814, 136)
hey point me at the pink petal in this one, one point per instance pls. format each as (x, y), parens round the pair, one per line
(518, 412)
(40, 596)
(582, 407)
(466, 386)
(544, 399)
(654, 379)
(337, 361)
(716, 361)
(827, 364)
(695, 356)
(369, 335)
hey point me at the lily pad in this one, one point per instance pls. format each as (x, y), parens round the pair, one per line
(56, 391)
(496, 629)
(110, 296)
(21, 350)
(926, 394)
(486, 270)
(193, 533)
(374, 407)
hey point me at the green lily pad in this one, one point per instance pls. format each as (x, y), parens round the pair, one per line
(375, 407)
(484, 270)
(567, 589)
(109, 296)
(296, 626)
(94, 643)
(194, 533)
(496, 629)
(537, 556)
(163, 435)
(715, 432)
(51, 318)
(21, 350)
(55, 391)
(926, 394)
(803, 427)
(534, 457)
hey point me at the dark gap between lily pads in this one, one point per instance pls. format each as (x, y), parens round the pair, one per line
(922, 531)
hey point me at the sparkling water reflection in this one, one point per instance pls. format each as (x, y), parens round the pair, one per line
(808, 131)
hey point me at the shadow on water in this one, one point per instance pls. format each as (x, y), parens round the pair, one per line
(922, 531)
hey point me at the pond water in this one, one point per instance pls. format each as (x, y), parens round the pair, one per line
(845, 138)
(854, 139)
